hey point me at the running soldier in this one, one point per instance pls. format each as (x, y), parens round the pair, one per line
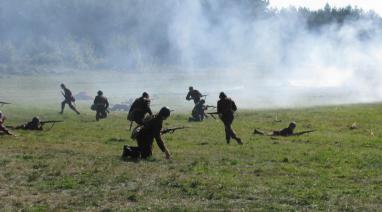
(69, 99)
(145, 135)
(139, 108)
(226, 108)
(194, 95)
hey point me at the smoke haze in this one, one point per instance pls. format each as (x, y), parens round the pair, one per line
(260, 57)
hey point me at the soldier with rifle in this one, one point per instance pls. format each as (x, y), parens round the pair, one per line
(100, 105)
(69, 99)
(289, 131)
(225, 109)
(194, 95)
(3, 129)
(139, 109)
(145, 135)
(35, 124)
(198, 113)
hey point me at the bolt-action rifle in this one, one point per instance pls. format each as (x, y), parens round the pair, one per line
(53, 122)
(172, 130)
(4, 103)
(302, 132)
(212, 114)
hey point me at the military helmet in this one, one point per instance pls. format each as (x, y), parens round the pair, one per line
(99, 92)
(292, 124)
(36, 119)
(62, 85)
(145, 95)
(222, 95)
(190, 88)
(164, 112)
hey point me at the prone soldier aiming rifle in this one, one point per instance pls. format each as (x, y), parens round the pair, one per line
(35, 124)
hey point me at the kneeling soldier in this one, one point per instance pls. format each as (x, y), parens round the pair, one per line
(145, 135)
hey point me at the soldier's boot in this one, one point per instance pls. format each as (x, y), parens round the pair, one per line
(239, 141)
(228, 140)
(132, 152)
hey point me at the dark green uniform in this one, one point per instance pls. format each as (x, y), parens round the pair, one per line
(198, 112)
(138, 110)
(101, 104)
(226, 108)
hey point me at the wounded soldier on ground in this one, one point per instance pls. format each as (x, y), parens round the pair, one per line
(198, 112)
(3, 129)
(145, 135)
(289, 131)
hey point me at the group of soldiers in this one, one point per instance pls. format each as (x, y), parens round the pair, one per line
(149, 125)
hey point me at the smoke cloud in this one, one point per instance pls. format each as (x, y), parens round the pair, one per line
(260, 56)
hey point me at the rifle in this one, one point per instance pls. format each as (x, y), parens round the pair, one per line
(53, 122)
(303, 132)
(210, 106)
(212, 114)
(4, 103)
(172, 130)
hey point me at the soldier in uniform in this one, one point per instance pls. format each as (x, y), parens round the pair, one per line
(69, 99)
(145, 135)
(100, 105)
(198, 111)
(35, 124)
(226, 108)
(193, 94)
(3, 129)
(284, 132)
(139, 108)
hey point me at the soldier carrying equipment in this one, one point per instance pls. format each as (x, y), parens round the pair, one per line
(69, 99)
(145, 135)
(3, 129)
(194, 94)
(226, 108)
(100, 105)
(139, 108)
(284, 132)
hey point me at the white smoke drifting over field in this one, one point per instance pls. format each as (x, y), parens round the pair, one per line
(259, 56)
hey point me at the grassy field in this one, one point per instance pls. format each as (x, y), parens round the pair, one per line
(76, 165)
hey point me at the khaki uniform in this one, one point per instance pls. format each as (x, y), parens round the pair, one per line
(101, 104)
(226, 108)
(138, 110)
(195, 95)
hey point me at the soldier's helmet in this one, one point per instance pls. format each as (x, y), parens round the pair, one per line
(62, 85)
(190, 88)
(99, 93)
(222, 95)
(145, 95)
(292, 125)
(36, 119)
(164, 112)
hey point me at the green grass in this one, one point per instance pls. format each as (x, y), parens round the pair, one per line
(76, 165)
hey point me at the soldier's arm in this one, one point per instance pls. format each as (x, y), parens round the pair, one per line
(219, 108)
(188, 97)
(162, 146)
(234, 108)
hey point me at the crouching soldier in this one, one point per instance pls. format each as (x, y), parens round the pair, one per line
(198, 111)
(101, 104)
(145, 135)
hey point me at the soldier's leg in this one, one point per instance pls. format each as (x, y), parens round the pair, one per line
(231, 132)
(63, 106)
(132, 152)
(145, 146)
(71, 106)
(259, 132)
